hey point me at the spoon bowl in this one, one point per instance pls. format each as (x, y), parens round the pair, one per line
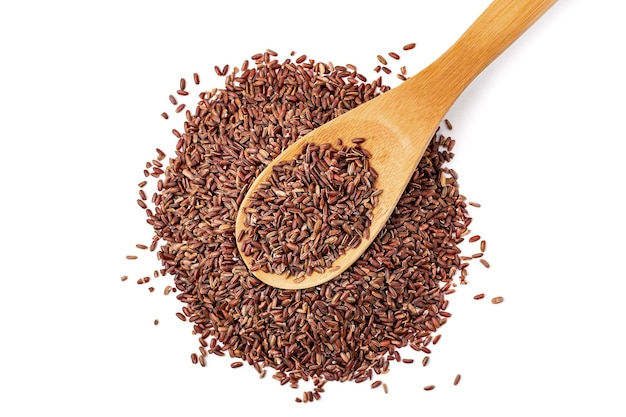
(398, 125)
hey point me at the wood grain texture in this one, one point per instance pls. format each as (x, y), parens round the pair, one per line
(399, 124)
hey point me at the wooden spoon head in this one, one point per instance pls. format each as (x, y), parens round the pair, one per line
(394, 172)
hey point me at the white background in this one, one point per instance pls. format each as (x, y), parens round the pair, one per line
(540, 144)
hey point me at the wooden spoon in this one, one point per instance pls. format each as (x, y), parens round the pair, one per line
(399, 124)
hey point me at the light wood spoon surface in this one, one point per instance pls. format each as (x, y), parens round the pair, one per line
(399, 124)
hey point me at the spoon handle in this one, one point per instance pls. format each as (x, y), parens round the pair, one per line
(426, 97)
(500, 24)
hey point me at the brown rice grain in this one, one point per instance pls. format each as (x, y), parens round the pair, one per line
(347, 181)
(302, 335)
